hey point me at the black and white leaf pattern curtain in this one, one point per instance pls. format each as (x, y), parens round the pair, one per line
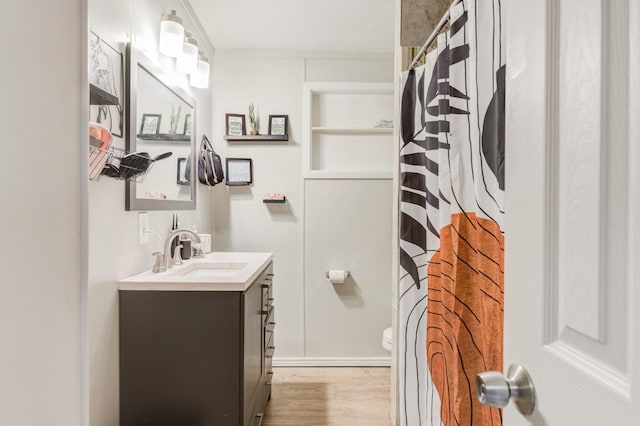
(451, 219)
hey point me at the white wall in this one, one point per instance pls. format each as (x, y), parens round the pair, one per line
(43, 115)
(274, 82)
(114, 251)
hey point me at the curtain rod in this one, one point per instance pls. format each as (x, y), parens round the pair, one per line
(433, 35)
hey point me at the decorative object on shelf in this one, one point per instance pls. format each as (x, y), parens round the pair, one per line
(187, 62)
(106, 85)
(239, 171)
(384, 124)
(150, 124)
(175, 117)
(278, 125)
(254, 120)
(235, 125)
(171, 35)
(187, 125)
(210, 171)
(99, 142)
(274, 198)
(183, 175)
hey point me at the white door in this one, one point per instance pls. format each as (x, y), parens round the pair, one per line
(572, 298)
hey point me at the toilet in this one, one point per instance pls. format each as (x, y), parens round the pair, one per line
(387, 339)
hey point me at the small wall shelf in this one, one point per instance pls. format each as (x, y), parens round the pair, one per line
(274, 198)
(97, 96)
(275, 201)
(166, 137)
(256, 138)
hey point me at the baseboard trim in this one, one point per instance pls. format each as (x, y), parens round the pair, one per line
(382, 361)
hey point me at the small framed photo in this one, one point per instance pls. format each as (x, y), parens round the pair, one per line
(183, 173)
(239, 171)
(187, 125)
(236, 125)
(278, 125)
(150, 124)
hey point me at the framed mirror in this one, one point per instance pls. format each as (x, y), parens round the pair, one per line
(161, 121)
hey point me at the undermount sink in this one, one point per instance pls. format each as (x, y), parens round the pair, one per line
(219, 271)
(211, 269)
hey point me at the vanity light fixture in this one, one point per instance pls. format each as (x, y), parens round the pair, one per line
(171, 35)
(200, 77)
(188, 61)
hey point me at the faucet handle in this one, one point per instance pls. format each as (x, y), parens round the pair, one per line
(159, 265)
(177, 259)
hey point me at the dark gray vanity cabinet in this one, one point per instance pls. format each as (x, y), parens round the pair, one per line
(196, 358)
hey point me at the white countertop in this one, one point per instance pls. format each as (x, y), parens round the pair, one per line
(221, 271)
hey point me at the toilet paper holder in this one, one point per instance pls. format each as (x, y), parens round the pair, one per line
(347, 274)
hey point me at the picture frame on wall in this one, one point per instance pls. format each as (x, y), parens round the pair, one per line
(239, 171)
(150, 124)
(235, 124)
(278, 125)
(106, 73)
(182, 172)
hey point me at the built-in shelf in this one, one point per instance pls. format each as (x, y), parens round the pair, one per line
(97, 96)
(256, 138)
(352, 129)
(166, 137)
(339, 130)
(330, 174)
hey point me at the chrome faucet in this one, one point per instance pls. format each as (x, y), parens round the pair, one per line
(168, 262)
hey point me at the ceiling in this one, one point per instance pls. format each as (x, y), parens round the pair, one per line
(306, 25)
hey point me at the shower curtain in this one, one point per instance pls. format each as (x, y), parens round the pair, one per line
(451, 220)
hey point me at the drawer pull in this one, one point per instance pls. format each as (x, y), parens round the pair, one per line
(270, 299)
(271, 347)
(261, 417)
(272, 323)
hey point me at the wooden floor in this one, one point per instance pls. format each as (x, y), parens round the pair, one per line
(343, 396)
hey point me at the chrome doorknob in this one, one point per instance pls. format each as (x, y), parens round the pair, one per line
(496, 391)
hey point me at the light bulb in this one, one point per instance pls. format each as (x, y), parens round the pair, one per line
(188, 61)
(200, 77)
(171, 35)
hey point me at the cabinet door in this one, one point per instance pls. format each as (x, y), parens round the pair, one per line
(252, 350)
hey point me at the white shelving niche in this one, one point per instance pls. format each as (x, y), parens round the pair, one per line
(342, 137)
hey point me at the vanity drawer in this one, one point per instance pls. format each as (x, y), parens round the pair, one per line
(267, 296)
(257, 420)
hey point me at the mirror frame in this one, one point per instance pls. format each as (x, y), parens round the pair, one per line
(135, 59)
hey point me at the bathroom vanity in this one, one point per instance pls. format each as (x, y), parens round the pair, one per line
(196, 343)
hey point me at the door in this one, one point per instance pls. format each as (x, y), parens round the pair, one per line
(572, 293)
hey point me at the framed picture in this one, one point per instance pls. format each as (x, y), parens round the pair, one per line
(106, 71)
(278, 125)
(236, 125)
(183, 173)
(150, 124)
(187, 125)
(239, 171)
